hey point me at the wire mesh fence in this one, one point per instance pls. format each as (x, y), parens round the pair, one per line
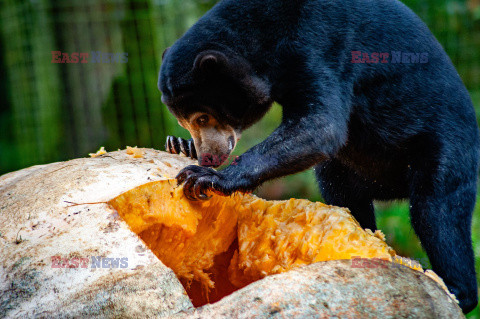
(54, 111)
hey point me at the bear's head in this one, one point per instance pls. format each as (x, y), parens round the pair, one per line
(214, 93)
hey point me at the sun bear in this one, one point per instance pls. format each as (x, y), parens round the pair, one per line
(370, 99)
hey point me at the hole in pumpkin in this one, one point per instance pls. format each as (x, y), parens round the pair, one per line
(220, 245)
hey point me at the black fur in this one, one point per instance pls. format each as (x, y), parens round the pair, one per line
(373, 131)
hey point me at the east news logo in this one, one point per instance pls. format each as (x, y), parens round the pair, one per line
(85, 262)
(92, 57)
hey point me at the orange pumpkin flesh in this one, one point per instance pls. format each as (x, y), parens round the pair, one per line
(220, 245)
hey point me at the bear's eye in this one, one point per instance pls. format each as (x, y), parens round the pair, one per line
(202, 120)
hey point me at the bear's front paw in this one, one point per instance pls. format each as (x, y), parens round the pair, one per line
(176, 145)
(199, 180)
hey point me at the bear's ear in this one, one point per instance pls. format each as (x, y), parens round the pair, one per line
(210, 60)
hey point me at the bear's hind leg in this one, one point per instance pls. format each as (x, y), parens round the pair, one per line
(441, 218)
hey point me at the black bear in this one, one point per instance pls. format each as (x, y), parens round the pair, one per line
(369, 98)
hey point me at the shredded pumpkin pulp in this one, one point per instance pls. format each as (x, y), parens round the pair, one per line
(220, 245)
